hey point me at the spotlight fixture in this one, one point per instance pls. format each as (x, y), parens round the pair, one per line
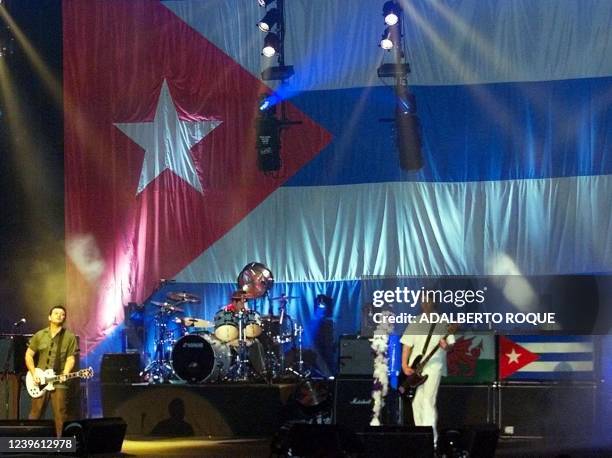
(391, 12)
(264, 3)
(271, 45)
(385, 42)
(269, 20)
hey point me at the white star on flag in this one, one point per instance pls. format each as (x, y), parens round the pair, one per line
(513, 356)
(167, 142)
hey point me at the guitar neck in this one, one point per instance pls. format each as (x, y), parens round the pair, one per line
(69, 376)
(432, 352)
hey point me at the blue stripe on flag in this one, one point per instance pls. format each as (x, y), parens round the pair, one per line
(484, 132)
(549, 338)
(566, 356)
(581, 375)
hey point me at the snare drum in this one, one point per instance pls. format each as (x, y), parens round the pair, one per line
(198, 358)
(252, 324)
(226, 326)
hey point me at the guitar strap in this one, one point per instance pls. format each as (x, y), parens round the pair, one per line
(58, 353)
(431, 329)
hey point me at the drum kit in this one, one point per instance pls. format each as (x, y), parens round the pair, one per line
(240, 343)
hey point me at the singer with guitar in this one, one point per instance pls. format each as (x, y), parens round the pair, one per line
(423, 342)
(55, 348)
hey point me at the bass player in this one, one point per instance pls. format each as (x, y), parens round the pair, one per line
(421, 339)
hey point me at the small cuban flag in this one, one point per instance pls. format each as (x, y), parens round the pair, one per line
(546, 357)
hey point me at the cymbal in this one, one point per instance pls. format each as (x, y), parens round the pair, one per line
(255, 279)
(183, 297)
(167, 306)
(287, 298)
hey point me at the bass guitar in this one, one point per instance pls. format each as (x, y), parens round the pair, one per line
(408, 384)
(48, 380)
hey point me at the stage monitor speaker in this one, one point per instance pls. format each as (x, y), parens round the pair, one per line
(306, 440)
(397, 441)
(97, 435)
(355, 357)
(120, 368)
(477, 441)
(27, 428)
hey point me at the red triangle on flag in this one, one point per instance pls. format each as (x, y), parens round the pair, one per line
(513, 357)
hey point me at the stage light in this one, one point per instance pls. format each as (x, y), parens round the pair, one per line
(269, 20)
(386, 43)
(271, 45)
(391, 12)
(264, 3)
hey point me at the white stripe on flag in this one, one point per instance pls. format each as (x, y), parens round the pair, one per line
(558, 366)
(558, 347)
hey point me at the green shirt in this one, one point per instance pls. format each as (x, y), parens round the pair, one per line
(46, 347)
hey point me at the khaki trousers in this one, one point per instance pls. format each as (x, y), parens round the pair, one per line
(58, 403)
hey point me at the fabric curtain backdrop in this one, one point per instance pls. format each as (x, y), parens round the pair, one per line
(161, 177)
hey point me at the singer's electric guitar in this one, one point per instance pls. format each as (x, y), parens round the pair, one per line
(48, 380)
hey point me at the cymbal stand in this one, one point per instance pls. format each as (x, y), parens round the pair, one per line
(159, 370)
(300, 372)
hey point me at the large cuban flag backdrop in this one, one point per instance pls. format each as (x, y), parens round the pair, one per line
(161, 176)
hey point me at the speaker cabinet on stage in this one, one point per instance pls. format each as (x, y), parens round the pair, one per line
(9, 396)
(120, 368)
(463, 405)
(556, 412)
(12, 352)
(397, 441)
(353, 404)
(27, 428)
(355, 357)
(97, 435)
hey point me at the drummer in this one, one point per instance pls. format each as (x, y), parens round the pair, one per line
(239, 302)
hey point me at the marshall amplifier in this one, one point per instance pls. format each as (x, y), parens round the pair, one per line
(353, 404)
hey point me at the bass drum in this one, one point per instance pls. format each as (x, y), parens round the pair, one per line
(199, 358)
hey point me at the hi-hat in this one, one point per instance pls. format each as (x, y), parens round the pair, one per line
(168, 307)
(183, 297)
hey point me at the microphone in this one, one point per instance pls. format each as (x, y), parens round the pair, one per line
(19, 323)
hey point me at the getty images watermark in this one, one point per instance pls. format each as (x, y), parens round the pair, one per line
(458, 298)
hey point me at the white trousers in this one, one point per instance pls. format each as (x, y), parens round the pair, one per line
(424, 402)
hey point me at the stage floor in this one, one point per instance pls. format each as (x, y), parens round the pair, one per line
(239, 448)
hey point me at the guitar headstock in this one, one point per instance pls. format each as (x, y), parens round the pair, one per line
(86, 373)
